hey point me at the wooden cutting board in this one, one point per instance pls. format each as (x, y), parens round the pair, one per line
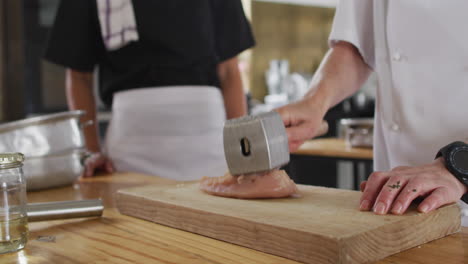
(322, 226)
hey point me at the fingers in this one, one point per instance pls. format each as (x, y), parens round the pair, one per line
(413, 189)
(383, 188)
(400, 191)
(295, 145)
(109, 167)
(362, 187)
(95, 162)
(285, 115)
(305, 131)
(401, 168)
(391, 189)
(397, 189)
(373, 187)
(299, 133)
(323, 129)
(300, 126)
(91, 165)
(436, 199)
(88, 171)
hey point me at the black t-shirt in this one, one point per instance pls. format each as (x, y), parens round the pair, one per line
(180, 43)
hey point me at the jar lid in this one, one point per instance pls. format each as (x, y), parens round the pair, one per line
(11, 160)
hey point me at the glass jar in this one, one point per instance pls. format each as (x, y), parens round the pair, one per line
(13, 214)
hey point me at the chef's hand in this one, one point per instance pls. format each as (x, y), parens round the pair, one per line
(393, 191)
(97, 161)
(303, 121)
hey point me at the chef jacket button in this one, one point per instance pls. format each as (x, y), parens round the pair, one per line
(394, 127)
(397, 56)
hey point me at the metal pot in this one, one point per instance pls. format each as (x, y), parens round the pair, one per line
(53, 170)
(358, 132)
(43, 135)
(53, 146)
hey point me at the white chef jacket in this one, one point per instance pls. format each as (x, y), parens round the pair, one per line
(419, 50)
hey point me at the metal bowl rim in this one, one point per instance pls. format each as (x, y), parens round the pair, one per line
(357, 121)
(39, 120)
(70, 152)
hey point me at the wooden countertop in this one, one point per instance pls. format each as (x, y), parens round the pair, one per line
(115, 238)
(333, 147)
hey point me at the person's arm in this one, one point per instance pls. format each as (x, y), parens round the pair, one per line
(341, 73)
(80, 96)
(231, 86)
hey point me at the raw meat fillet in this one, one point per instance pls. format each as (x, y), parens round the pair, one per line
(274, 184)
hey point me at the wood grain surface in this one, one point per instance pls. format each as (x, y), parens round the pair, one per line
(117, 238)
(321, 226)
(333, 147)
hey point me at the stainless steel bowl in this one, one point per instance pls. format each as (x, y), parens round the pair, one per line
(43, 135)
(358, 132)
(53, 170)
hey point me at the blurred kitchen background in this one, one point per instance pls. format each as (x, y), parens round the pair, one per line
(291, 38)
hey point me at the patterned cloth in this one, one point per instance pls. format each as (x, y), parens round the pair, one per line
(118, 24)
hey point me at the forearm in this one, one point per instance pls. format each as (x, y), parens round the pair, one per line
(341, 73)
(80, 96)
(231, 86)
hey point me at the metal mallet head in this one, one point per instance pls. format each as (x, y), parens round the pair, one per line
(255, 143)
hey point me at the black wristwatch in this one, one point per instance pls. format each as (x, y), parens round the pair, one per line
(456, 161)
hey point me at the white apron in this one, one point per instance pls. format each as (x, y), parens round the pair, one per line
(171, 132)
